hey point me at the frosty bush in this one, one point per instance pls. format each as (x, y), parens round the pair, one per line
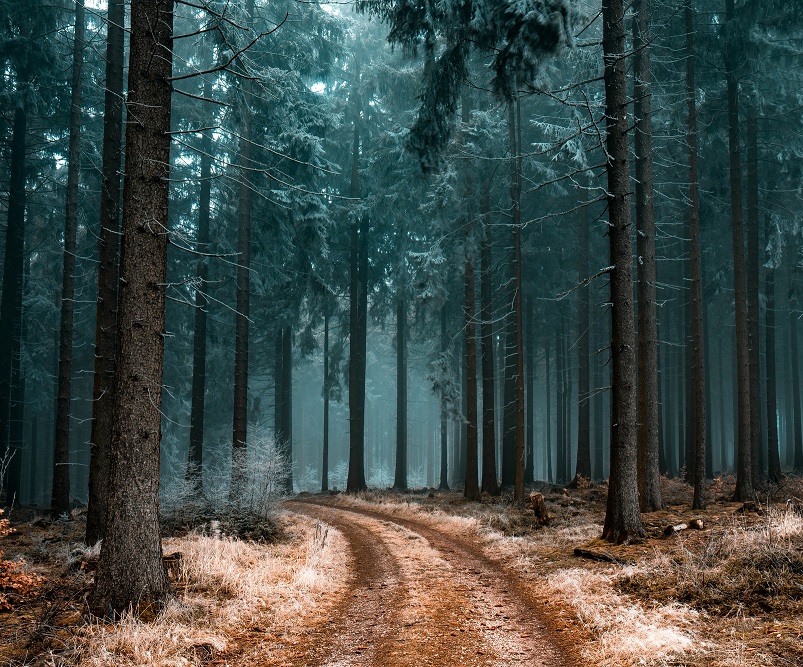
(186, 502)
(338, 476)
(380, 477)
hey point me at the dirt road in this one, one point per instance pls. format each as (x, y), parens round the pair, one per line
(419, 596)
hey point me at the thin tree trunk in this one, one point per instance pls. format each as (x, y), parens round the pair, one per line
(649, 473)
(698, 340)
(131, 573)
(325, 461)
(518, 488)
(744, 463)
(622, 518)
(560, 397)
(60, 500)
(444, 480)
(599, 444)
(753, 314)
(195, 457)
(108, 254)
(400, 478)
(583, 467)
(286, 443)
(548, 419)
(471, 490)
(773, 456)
(241, 329)
(11, 301)
(529, 467)
(798, 432)
(490, 483)
(357, 319)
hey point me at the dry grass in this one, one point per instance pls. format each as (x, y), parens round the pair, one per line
(224, 586)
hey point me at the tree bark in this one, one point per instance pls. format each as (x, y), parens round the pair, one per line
(649, 474)
(548, 418)
(529, 464)
(400, 477)
(490, 483)
(753, 313)
(744, 462)
(583, 466)
(286, 443)
(130, 572)
(60, 498)
(325, 457)
(471, 490)
(11, 300)
(357, 316)
(241, 329)
(108, 255)
(773, 455)
(622, 518)
(698, 339)
(195, 457)
(444, 480)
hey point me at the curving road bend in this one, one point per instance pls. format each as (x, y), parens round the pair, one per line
(418, 596)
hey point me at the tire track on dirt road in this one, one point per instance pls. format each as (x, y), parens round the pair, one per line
(448, 605)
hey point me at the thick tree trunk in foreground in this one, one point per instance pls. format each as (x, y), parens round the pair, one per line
(744, 459)
(400, 477)
(130, 572)
(622, 517)
(698, 340)
(649, 474)
(195, 458)
(11, 301)
(108, 252)
(490, 483)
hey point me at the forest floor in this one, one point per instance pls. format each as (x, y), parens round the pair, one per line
(430, 579)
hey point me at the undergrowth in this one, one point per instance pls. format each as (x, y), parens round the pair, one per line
(16, 584)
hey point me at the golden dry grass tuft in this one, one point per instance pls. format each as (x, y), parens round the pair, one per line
(224, 586)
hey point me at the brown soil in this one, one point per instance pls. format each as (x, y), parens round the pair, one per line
(425, 597)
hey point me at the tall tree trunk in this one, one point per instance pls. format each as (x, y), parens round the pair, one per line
(793, 344)
(357, 318)
(622, 518)
(241, 329)
(599, 443)
(560, 397)
(108, 253)
(698, 340)
(471, 489)
(16, 431)
(583, 467)
(444, 480)
(195, 457)
(709, 429)
(773, 456)
(286, 443)
(325, 457)
(516, 187)
(744, 459)
(131, 573)
(529, 466)
(11, 300)
(400, 478)
(60, 500)
(33, 476)
(490, 483)
(753, 313)
(649, 474)
(548, 418)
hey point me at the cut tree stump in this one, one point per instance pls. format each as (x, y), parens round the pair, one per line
(540, 512)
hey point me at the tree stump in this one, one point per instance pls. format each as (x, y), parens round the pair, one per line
(540, 512)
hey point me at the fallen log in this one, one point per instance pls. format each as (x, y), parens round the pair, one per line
(601, 556)
(696, 524)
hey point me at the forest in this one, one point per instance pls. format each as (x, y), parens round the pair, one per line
(401, 332)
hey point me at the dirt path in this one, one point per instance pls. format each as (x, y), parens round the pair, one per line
(422, 597)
